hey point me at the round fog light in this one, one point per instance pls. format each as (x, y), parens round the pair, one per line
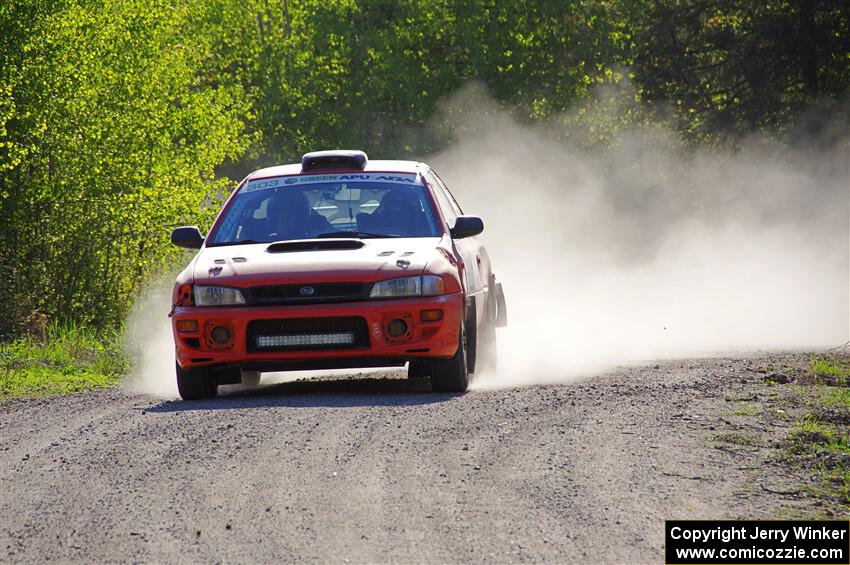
(220, 335)
(397, 328)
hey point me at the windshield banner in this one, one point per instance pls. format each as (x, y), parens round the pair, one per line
(395, 178)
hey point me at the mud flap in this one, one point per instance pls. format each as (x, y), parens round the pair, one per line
(502, 308)
(471, 328)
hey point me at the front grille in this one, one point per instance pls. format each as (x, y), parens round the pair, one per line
(297, 328)
(319, 293)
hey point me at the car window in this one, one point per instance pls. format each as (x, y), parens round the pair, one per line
(266, 211)
(443, 199)
(455, 206)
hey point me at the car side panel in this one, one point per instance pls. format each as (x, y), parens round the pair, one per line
(472, 256)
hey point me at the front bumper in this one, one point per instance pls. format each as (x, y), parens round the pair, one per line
(424, 339)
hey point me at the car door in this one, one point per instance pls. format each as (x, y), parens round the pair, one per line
(470, 250)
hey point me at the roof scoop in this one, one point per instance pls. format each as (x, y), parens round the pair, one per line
(338, 159)
(314, 245)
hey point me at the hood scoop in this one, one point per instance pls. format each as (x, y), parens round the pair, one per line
(314, 245)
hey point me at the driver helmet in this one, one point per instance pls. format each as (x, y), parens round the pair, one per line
(288, 212)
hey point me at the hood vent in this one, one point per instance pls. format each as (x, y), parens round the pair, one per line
(314, 245)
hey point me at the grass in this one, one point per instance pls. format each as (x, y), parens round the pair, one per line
(820, 440)
(835, 397)
(830, 370)
(812, 395)
(824, 450)
(746, 411)
(826, 365)
(822, 436)
(66, 359)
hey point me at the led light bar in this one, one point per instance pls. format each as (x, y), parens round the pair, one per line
(301, 340)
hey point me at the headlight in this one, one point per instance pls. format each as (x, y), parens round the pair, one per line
(426, 285)
(217, 296)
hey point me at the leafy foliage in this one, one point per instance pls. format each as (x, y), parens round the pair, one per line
(121, 118)
(742, 65)
(111, 132)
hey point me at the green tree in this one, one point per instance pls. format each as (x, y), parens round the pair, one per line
(733, 67)
(111, 132)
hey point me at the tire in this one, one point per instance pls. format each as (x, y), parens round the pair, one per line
(451, 375)
(418, 369)
(196, 384)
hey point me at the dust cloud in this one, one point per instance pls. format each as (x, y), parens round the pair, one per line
(639, 251)
(646, 249)
(149, 343)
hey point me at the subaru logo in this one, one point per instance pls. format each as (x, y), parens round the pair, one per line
(307, 291)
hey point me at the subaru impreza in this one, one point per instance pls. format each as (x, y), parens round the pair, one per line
(336, 262)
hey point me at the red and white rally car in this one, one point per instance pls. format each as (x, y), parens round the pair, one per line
(336, 262)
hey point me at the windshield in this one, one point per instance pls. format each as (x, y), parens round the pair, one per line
(364, 205)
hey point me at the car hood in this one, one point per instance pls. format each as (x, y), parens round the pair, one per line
(314, 261)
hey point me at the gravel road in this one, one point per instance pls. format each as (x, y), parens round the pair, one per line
(372, 469)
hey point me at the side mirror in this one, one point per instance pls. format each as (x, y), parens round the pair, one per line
(187, 236)
(467, 226)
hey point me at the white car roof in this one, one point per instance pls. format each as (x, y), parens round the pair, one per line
(385, 165)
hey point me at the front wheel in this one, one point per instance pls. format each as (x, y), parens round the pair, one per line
(196, 384)
(451, 375)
